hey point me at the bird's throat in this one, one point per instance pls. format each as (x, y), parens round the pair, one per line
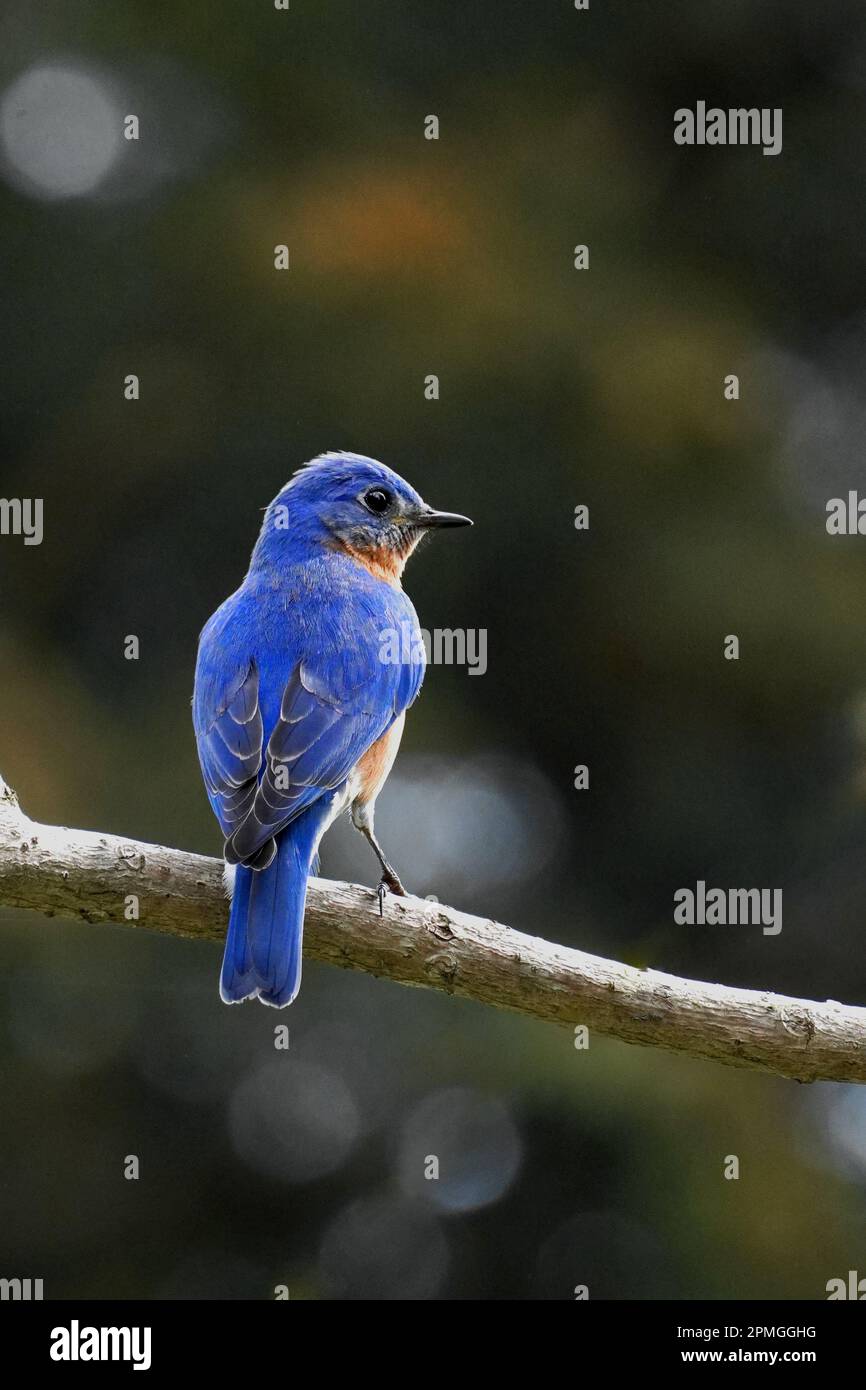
(382, 561)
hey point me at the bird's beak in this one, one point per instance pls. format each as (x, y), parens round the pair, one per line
(429, 517)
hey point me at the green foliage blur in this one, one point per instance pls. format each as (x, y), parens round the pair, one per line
(558, 387)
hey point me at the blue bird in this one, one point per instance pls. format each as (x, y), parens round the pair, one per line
(297, 713)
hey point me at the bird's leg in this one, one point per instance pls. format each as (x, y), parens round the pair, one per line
(389, 882)
(362, 819)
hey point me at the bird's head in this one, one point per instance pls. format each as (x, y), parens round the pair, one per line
(351, 503)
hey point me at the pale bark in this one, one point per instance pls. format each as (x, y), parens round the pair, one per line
(88, 876)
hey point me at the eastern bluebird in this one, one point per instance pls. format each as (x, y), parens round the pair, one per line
(296, 714)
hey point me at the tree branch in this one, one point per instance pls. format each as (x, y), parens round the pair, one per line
(86, 875)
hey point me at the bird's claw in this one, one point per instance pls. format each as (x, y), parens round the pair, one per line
(389, 883)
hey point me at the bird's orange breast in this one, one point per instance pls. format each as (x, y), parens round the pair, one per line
(373, 766)
(383, 562)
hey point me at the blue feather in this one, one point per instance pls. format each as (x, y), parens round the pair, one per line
(290, 692)
(264, 945)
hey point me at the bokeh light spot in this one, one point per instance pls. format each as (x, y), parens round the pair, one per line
(60, 131)
(476, 1143)
(297, 1122)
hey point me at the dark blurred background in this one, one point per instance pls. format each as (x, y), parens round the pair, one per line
(558, 387)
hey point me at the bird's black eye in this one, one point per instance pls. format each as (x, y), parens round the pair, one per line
(377, 500)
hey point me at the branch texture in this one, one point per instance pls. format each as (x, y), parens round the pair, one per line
(86, 875)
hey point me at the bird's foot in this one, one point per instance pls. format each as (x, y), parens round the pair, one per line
(389, 883)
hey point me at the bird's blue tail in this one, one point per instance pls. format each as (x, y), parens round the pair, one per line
(266, 924)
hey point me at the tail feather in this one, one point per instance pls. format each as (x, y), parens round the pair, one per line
(264, 944)
(236, 981)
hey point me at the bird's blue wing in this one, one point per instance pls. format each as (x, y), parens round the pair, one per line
(329, 715)
(230, 747)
